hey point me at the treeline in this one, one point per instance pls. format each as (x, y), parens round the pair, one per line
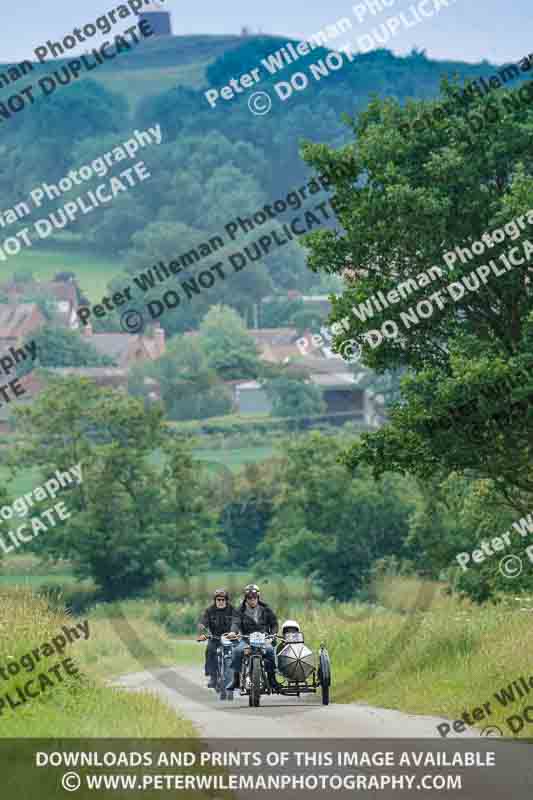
(304, 512)
(147, 507)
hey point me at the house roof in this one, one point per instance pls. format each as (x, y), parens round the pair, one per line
(277, 345)
(61, 290)
(13, 316)
(319, 364)
(5, 412)
(336, 380)
(249, 385)
(274, 336)
(115, 345)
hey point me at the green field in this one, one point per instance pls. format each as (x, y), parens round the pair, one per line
(93, 272)
(24, 482)
(235, 459)
(153, 81)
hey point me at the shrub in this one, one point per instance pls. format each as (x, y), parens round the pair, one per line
(177, 619)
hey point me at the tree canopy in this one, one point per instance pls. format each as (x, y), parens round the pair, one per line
(131, 514)
(328, 525)
(404, 197)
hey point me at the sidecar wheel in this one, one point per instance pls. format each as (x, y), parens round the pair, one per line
(324, 676)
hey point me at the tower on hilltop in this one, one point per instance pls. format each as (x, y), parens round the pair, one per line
(158, 18)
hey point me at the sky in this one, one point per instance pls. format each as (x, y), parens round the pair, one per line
(469, 30)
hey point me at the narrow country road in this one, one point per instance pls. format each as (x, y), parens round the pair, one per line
(183, 688)
(294, 721)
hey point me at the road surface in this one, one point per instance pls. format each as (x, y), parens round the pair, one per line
(279, 719)
(183, 688)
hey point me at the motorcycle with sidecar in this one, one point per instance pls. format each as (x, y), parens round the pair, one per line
(302, 671)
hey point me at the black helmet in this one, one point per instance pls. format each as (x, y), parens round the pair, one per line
(251, 589)
(221, 593)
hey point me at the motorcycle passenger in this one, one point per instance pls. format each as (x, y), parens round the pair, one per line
(290, 632)
(217, 619)
(251, 616)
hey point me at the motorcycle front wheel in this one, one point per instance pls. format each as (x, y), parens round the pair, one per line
(221, 680)
(255, 683)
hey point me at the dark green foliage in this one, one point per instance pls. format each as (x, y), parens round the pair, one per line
(279, 313)
(227, 345)
(329, 525)
(128, 517)
(424, 193)
(309, 318)
(61, 347)
(245, 518)
(189, 389)
(294, 398)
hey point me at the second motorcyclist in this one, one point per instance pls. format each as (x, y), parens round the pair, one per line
(216, 619)
(251, 616)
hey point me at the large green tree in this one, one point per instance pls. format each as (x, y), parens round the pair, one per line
(189, 388)
(294, 398)
(460, 517)
(229, 348)
(128, 516)
(405, 194)
(248, 511)
(328, 525)
(61, 347)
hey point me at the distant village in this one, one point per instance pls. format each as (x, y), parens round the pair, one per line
(341, 386)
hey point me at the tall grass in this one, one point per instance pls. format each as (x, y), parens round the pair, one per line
(86, 706)
(416, 649)
(433, 655)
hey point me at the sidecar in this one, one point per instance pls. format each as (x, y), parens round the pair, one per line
(302, 670)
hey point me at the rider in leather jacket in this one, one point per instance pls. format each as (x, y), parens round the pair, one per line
(253, 615)
(217, 619)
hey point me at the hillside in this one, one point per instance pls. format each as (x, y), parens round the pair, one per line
(183, 60)
(212, 165)
(159, 64)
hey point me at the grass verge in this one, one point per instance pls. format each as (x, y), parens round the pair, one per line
(86, 706)
(432, 655)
